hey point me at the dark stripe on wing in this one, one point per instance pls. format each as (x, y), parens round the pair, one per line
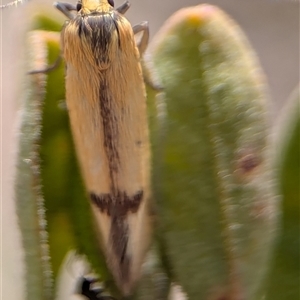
(110, 130)
(119, 242)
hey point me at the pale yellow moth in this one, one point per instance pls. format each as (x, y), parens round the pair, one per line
(106, 100)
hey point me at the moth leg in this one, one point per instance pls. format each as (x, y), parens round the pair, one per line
(148, 74)
(48, 69)
(123, 8)
(143, 43)
(66, 9)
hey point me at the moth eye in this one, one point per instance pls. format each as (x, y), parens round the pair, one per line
(111, 3)
(78, 6)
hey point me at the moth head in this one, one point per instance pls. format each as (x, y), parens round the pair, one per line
(95, 5)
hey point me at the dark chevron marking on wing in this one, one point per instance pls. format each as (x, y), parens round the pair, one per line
(119, 204)
(117, 207)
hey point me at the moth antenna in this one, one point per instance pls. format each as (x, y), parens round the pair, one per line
(13, 3)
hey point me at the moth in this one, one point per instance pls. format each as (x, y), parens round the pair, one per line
(106, 101)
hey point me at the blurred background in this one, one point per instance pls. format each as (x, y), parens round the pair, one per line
(272, 26)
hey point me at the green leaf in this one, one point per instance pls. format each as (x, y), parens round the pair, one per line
(213, 178)
(285, 272)
(28, 190)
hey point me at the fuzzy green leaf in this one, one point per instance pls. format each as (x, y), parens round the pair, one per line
(285, 272)
(213, 177)
(28, 189)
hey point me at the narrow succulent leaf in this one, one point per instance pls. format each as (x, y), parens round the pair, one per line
(154, 284)
(56, 157)
(213, 177)
(285, 272)
(28, 192)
